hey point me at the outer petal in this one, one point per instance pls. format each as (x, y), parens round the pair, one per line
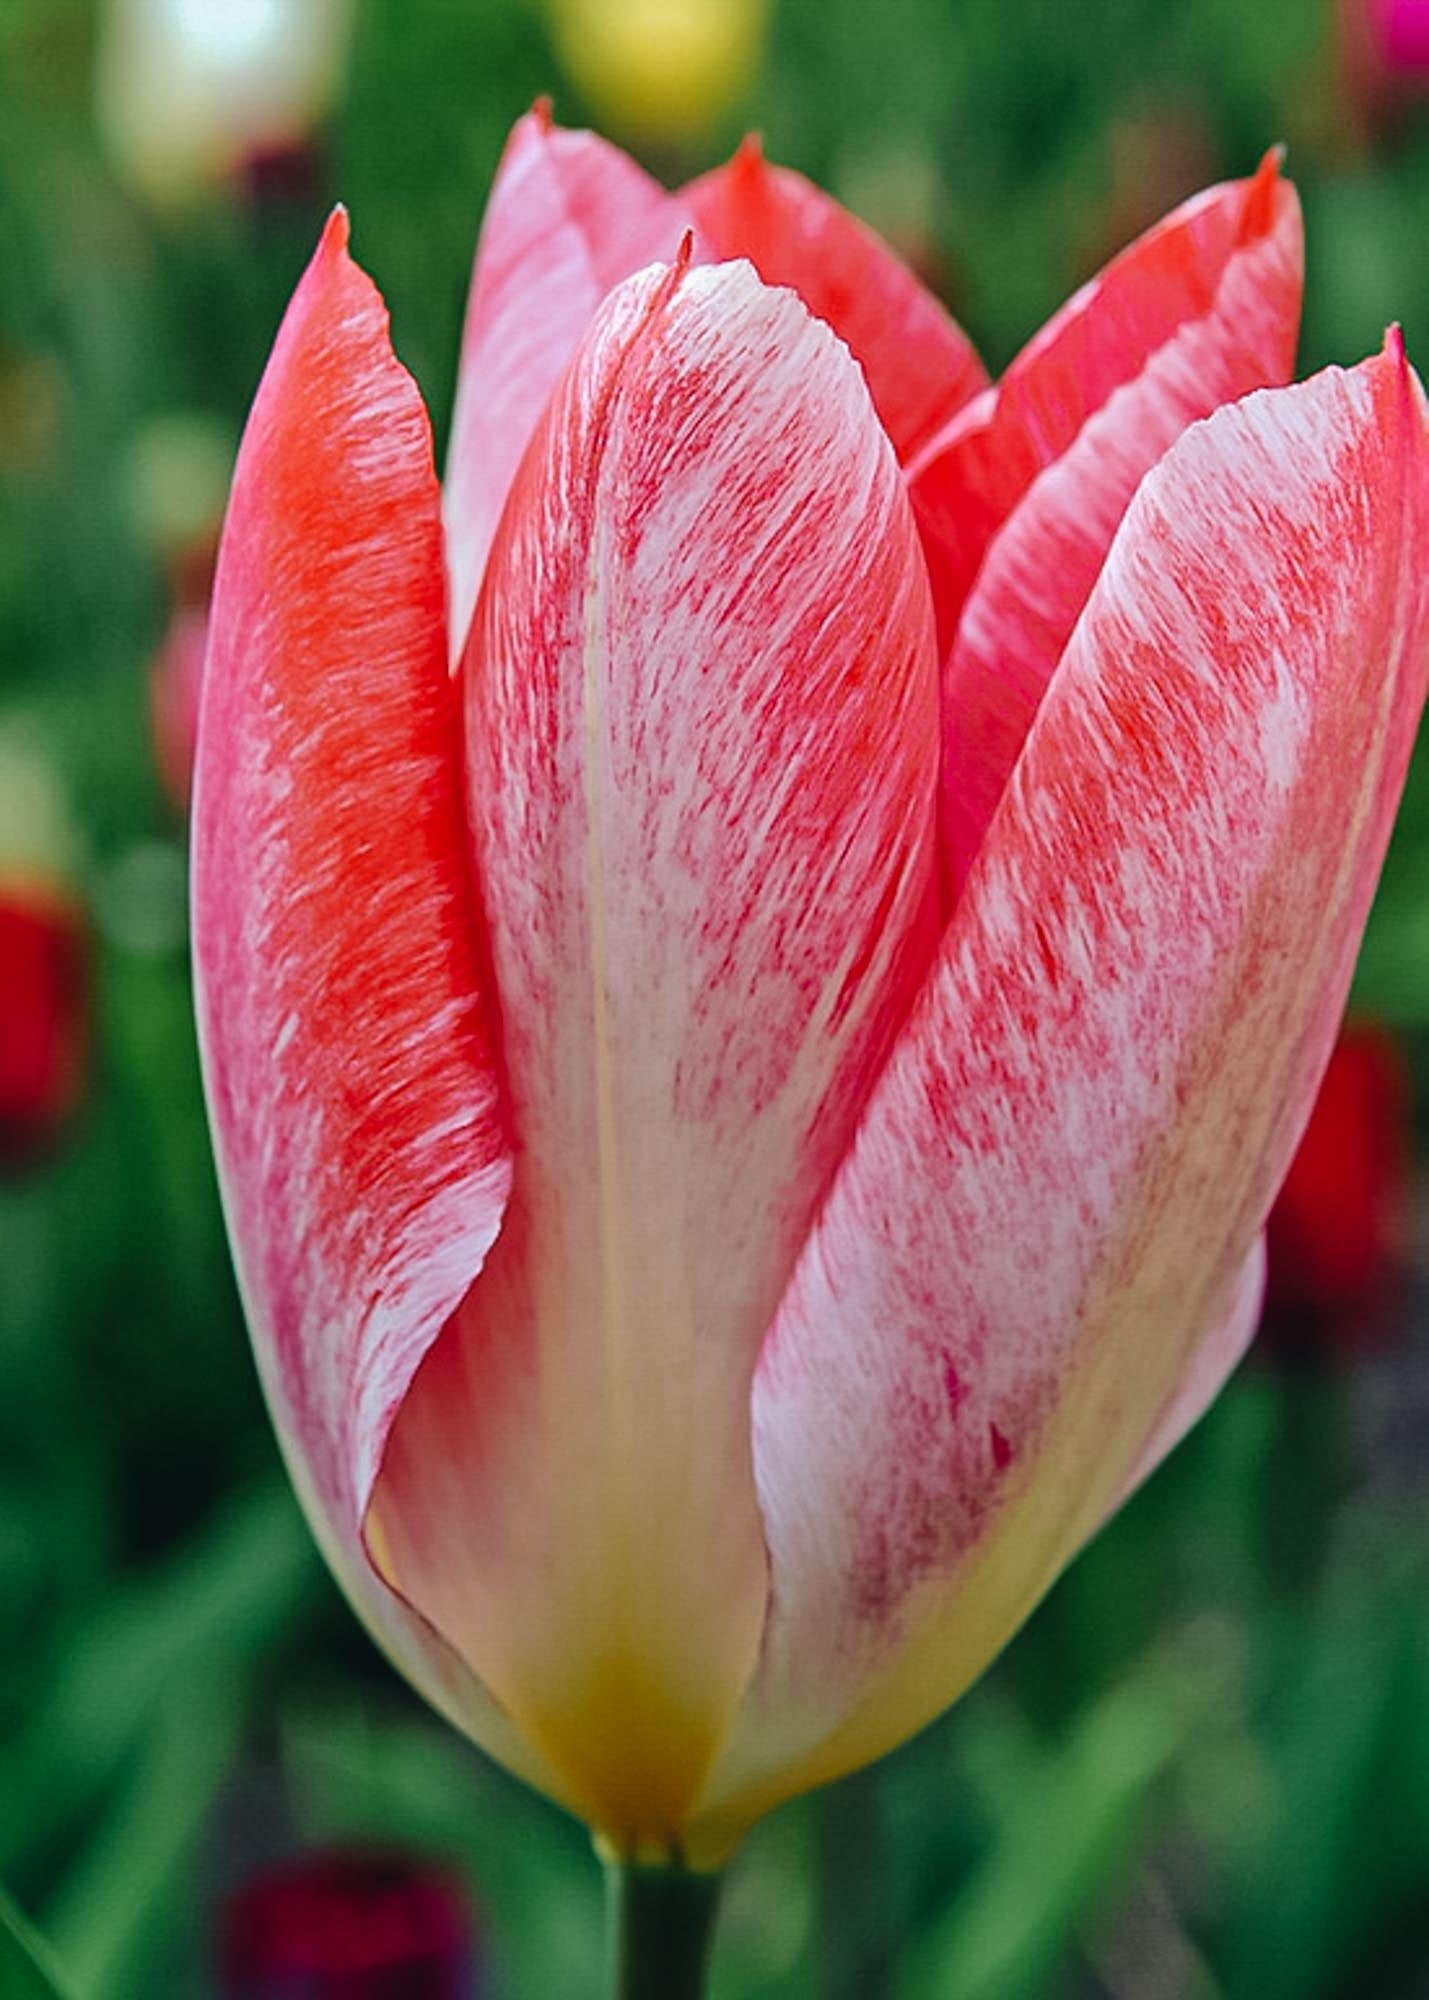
(1039, 570)
(349, 1074)
(921, 367)
(968, 479)
(701, 706)
(1077, 1138)
(569, 217)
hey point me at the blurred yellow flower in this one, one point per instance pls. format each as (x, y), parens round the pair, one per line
(660, 70)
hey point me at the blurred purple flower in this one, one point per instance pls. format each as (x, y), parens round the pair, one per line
(1399, 30)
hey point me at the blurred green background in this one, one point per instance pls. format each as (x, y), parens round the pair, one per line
(1203, 1770)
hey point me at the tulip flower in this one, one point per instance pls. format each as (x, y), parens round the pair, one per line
(763, 952)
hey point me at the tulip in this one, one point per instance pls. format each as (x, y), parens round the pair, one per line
(746, 1124)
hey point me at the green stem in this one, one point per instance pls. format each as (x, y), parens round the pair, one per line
(659, 1922)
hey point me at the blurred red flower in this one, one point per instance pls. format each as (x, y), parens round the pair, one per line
(43, 992)
(349, 1925)
(1338, 1238)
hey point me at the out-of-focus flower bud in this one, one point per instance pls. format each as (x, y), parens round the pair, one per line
(1399, 33)
(43, 959)
(1382, 59)
(189, 91)
(1339, 1232)
(661, 71)
(350, 1926)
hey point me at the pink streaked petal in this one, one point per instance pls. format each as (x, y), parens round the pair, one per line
(921, 367)
(1041, 565)
(350, 1079)
(1076, 1141)
(968, 479)
(701, 708)
(569, 218)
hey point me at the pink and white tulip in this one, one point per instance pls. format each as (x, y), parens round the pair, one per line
(762, 956)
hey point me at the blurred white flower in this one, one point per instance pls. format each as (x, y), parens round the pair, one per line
(189, 91)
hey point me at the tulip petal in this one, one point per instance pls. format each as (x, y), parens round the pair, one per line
(350, 1080)
(1231, 256)
(1077, 1138)
(920, 366)
(569, 217)
(1040, 567)
(701, 707)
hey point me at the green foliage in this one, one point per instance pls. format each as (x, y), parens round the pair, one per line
(26, 1969)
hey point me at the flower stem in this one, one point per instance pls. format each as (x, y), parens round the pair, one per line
(659, 1922)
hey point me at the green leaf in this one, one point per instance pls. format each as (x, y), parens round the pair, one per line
(1340, 1846)
(26, 1969)
(355, 1772)
(225, 1600)
(134, 1877)
(1068, 1835)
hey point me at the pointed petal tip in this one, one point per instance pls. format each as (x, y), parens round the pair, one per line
(542, 112)
(337, 231)
(749, 160)
(1264, 192)
(1394, 356)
